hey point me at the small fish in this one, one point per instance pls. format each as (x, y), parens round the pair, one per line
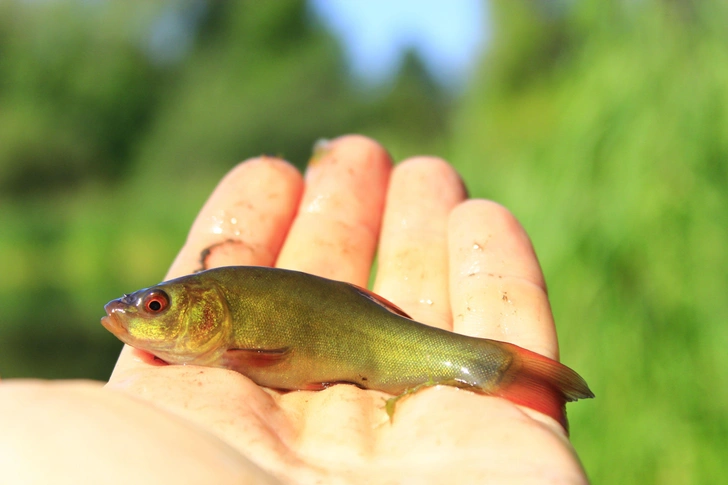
(291, 330)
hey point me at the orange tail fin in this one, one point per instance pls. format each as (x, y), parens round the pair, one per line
(542, 384)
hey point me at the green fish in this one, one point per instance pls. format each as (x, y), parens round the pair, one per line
(291, 330)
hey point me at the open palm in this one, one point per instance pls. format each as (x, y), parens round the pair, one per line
(466, 266)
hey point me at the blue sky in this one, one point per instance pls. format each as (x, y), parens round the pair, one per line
(448, 34)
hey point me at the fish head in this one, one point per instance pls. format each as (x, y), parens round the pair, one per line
(181, 321)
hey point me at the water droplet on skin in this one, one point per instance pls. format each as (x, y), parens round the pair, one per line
(427, 301)
(317, 204)
(477, 247)
(217, 224)
(221, 224)
(474, 268)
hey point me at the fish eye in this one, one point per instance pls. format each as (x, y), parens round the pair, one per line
(156, 302)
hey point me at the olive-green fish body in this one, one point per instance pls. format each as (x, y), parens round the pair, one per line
(291, 330)
(326, 331)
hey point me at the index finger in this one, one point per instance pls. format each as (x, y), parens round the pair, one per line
(245, 220)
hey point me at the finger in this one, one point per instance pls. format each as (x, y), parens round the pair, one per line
(245, 220)
(496, 285)
(335, 232)
(413, 257)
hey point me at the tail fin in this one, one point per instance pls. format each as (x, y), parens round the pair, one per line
(542, 384)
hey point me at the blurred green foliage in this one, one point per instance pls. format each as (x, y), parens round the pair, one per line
(601, 125)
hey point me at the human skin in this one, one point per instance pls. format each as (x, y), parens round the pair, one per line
(462, 265)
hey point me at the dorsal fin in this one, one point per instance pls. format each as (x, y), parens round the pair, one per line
(380, 300)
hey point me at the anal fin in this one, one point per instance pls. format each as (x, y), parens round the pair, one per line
(319, 386)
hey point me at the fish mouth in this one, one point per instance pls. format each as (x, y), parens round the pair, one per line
(111, 321)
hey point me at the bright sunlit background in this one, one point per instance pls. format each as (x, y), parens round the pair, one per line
(602, 125)
(448, 36)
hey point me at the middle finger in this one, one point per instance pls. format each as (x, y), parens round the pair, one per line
(413, 261)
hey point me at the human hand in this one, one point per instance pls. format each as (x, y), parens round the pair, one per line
(466, 266)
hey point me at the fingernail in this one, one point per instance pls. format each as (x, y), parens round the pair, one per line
(321, 148)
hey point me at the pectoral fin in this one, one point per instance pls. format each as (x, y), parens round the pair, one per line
(242, 358)
(380, 300)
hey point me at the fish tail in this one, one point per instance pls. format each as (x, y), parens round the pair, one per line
(542, 384)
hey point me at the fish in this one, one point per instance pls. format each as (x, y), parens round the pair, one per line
(290, 330)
